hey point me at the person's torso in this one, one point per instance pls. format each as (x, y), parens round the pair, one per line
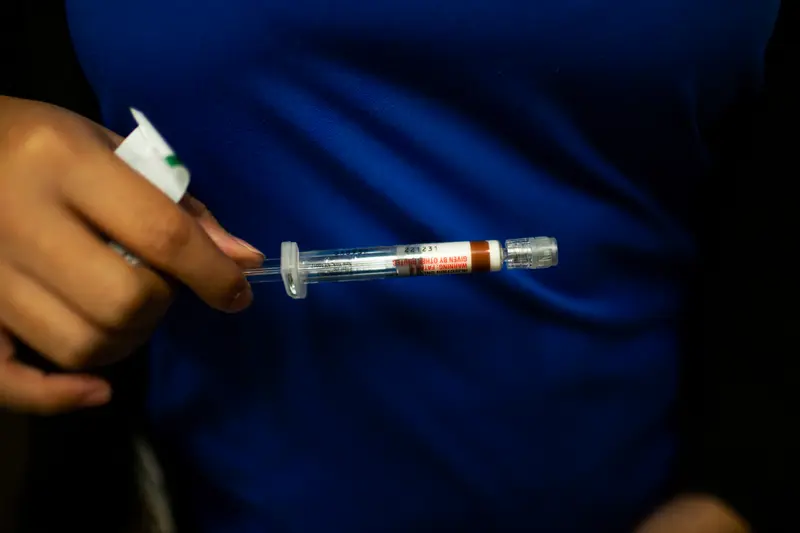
(529, 401)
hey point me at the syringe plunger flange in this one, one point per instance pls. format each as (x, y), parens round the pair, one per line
(531, 253)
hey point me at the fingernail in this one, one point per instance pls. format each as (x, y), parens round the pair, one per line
(247, 246)
(218, 235)
(97, 396)
(230, 244)
(242, 300)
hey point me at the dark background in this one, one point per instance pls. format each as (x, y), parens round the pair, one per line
(740, 386)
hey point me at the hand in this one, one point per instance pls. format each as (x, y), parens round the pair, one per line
(63, 290)
(694, 514)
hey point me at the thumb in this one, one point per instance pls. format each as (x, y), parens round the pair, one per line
(27, 389)
(240, 251)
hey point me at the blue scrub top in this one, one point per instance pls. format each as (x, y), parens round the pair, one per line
(524, 401)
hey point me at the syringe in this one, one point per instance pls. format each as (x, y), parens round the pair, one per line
(297, 270)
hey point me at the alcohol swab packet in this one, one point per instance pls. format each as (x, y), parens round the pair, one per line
(146, 152)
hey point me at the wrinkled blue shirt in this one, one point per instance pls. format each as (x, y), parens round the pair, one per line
(508, 402)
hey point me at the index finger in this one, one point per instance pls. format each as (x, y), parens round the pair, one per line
(130, 210)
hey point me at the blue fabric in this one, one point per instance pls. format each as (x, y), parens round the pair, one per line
(527, 401)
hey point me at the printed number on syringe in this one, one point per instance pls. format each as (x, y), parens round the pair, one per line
(421, 249)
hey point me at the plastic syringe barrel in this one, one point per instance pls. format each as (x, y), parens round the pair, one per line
(358, 264)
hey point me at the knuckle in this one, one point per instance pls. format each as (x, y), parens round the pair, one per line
(37, 142)
(127, 301)
(81, 350)
(169, 233)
